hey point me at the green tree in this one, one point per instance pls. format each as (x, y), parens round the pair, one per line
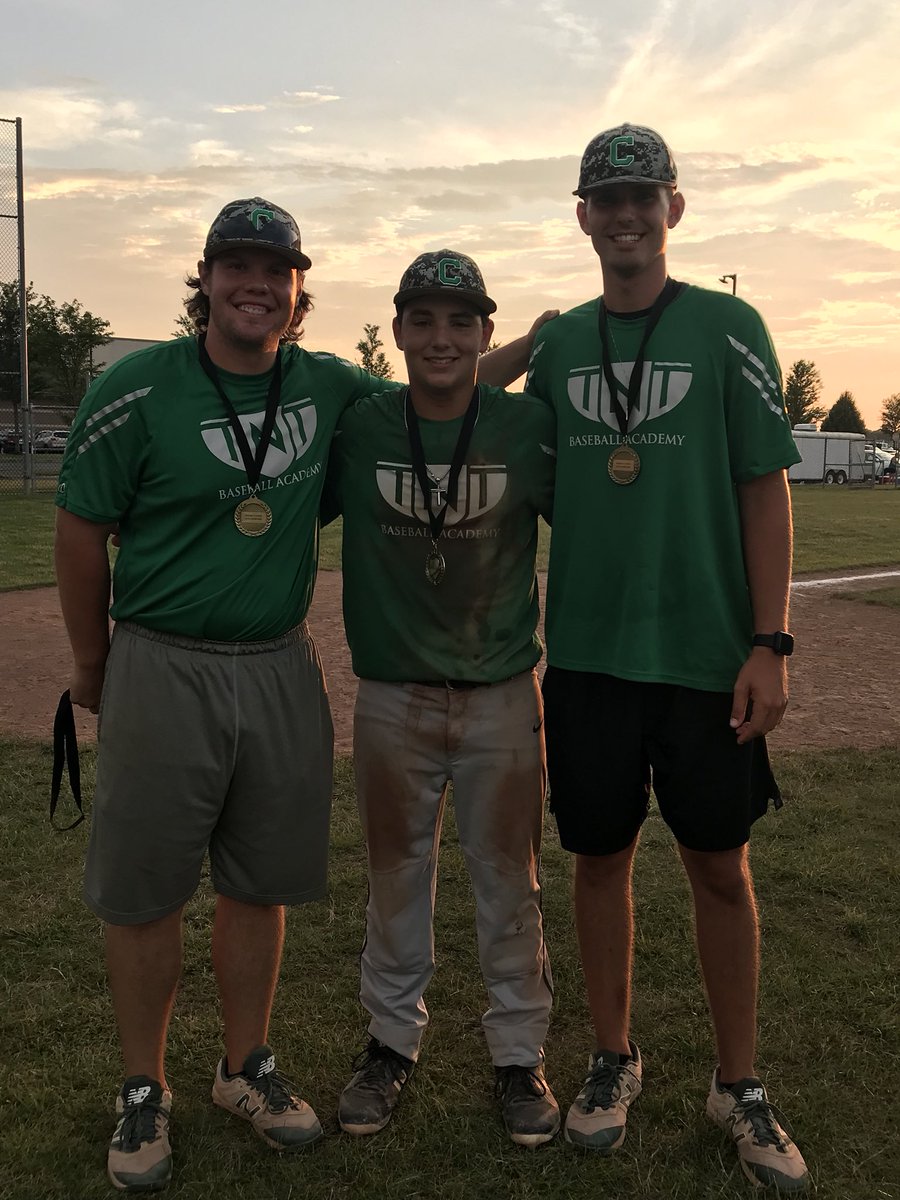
(802, 392)
(184, 326)
(371, 355)
(62, 339)
(844, 416)
(10, 365)
(890, 415)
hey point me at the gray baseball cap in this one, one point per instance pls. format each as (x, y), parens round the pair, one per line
(443, 273)
(256, 222)
(626, 154)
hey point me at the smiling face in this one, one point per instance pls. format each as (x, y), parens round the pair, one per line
(441, 339)
(628, 225)
(252, 297)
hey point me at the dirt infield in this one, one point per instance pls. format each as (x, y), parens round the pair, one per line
(844, 674)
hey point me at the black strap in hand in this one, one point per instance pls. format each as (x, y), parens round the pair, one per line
(65, 753)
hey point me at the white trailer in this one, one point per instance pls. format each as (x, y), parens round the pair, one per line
(828, 457)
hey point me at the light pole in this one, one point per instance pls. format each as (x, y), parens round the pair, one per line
(733, 278)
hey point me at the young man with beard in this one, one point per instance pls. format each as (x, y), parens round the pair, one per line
(666, 625)
(440, 488)
(208, 454)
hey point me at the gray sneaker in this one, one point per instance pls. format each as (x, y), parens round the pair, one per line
(598, 1114)
(261, 1095)
(529, 1108)
(369, 1099)
(766, 1150)
(140, 1156)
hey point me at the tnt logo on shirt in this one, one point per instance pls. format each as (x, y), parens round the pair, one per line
(292, 435)
(663, 386)
(479, 490)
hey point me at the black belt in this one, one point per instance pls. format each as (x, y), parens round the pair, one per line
(452, 685)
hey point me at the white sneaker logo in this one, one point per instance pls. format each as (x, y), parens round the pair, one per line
(267, 1065)
(752, 1095)
(138, 1095)
(245, 1101)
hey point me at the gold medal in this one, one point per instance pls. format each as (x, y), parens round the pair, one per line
(435, 565)
(624, 466)
(253, 517)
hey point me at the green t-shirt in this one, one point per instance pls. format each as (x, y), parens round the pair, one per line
(647, 580)
(152, 448)
(478, 623)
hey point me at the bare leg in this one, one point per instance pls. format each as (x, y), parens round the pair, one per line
(605, 923)
(246, 954)
(144, 966)
(728, 944)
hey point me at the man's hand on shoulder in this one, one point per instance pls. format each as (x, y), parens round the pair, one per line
(501, 367)
(760, 694)
(549, 314)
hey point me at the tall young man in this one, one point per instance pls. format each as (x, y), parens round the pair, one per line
(441, 487)
(209, 455)
(666, 623)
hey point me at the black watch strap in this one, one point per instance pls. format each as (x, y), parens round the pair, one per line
(781, 642)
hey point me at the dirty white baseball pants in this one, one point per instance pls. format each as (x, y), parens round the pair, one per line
(410, 741)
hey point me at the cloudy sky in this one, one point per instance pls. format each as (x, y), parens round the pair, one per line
(396, 126)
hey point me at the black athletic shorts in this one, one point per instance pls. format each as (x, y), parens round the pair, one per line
(609, 738)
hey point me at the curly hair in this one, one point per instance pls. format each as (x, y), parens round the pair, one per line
(197, 306)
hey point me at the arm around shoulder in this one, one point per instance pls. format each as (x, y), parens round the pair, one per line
(501, 367)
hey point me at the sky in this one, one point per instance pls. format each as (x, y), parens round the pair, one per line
(400, 126)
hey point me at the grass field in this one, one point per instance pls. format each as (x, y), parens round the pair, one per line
(884, 597)
(834, 528)
(828, 879)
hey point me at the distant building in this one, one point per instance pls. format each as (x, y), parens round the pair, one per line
(118, 347)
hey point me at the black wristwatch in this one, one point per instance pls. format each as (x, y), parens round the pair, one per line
(781, 642)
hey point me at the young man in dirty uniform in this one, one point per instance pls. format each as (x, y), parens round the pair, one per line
(209, 456)
(666, 623)
(441, 487)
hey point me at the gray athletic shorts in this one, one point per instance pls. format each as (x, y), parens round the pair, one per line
(217, 746)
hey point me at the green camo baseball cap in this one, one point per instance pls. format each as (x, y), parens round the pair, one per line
(626, 154)
(256, 222)
(441, 273)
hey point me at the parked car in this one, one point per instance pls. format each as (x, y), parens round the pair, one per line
(11, 442)
(881, 461)
(51, 441)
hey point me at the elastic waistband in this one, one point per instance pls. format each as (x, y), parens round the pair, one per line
(300, 633)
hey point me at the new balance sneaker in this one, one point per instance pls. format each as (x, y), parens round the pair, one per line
(369, 1099)
(140, 1157)
(529, 1108)
(261, 1095)
(767, 1152)
(598, 1114)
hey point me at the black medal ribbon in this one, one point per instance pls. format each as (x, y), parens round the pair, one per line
(65, 755)
(417, 453)
(252, 463)
(670, 292)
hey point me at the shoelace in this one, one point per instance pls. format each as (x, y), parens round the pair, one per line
(376, 1060)
(519, 1083)
(764, 1119)
(139, 1125)
(277, 1090)
(601, 1085)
